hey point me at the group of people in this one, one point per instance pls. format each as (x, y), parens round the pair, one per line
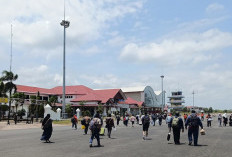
(224, 119)
(175, 123)
(191, 122)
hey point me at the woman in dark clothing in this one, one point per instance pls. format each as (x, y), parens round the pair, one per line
(109, 124)
(47, 127)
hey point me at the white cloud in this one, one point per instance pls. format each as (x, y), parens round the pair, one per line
(215, 7)
(36, 25)
(117, 41)
(187, 47)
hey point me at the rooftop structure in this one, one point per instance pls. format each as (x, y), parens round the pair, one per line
(176, 100)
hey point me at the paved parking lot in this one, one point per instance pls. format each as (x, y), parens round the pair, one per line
(126, 141)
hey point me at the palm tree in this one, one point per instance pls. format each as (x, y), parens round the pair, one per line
(2, 89)
(8, 77)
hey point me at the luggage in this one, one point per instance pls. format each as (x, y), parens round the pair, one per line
(202, 132)
(169, 135)
(83, 127)
(102, 132)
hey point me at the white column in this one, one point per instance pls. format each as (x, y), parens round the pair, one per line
(78, 113)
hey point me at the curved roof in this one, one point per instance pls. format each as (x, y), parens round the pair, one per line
(134, 89)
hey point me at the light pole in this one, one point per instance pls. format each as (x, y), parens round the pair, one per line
(162, 77)
(193, 99)
(65, 24)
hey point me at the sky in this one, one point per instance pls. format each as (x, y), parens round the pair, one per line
(123, 43)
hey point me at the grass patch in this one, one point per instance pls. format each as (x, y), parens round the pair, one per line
(62, 122)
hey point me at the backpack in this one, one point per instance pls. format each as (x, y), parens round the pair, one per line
(73, 120)
(94, 125)
(175, 122)
(193, 121)
(146, 119)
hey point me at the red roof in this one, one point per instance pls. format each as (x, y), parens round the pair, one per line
(87, 94)
(131, 101)
(72, 90)
(107, 94)
(99, 95)
(88, 97)
(33, 90)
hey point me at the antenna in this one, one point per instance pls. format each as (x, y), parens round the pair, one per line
(193, 98)
(11, 49)
(64, 9)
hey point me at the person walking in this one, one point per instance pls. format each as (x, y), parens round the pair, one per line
(220, 119)
(160, 117)
(193, 122)
(118, 119)
(15, 118)
(47, 127)
(145, 123)
(32, 118)
(74, 122)
(230, 120)
(209, 119)
(109, 124)
(177, 125)
(95, 127)
(126, 120)
(225, 119)
(137, 118)
(154, 118)
(185, 117)
(169, 122)
(202, 116)
(85, 122)
(132, 119)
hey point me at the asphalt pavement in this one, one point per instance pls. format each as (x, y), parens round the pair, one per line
(125, 142)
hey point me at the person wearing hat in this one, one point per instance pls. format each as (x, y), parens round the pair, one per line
(193, 122)
(177, 125)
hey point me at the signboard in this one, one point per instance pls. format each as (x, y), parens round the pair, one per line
(3, 100)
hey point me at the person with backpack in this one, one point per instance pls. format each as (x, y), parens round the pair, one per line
(95, 127)
(193, 122)
(145, 123)
(74, 121)
(109, 124)
(177, 125)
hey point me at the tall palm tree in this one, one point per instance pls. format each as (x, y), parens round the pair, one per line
(2, 90)
(8, 78)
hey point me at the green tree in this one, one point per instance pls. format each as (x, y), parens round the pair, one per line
(53, 100)
(210, 110)
(82, 107)
(68, 110)
(185, 109)
(19, 99)
(206, 110)
(2, 90)
(8, 78)
(100, 108)
(225, 111)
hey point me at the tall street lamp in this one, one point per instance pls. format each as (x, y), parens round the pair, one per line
(193, 99)
(65, 24)
(162, 77)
